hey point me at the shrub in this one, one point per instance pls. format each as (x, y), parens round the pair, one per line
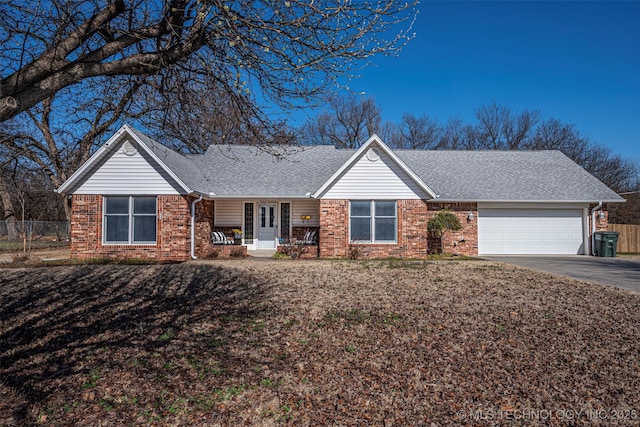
(442, 222)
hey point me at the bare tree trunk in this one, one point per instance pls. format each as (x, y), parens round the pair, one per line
(67, 207)
(8, 211)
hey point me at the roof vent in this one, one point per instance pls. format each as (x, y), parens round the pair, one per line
(373, 154)
(129, 148)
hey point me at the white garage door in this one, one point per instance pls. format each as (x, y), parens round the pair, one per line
(529, 231)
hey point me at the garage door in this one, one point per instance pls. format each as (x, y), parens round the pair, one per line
(529, 231)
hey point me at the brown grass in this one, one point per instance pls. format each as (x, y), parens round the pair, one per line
(315, 343)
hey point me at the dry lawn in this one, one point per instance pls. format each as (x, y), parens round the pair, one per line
(315, 343)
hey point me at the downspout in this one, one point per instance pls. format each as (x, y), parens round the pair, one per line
(193, 227)
(593, 227)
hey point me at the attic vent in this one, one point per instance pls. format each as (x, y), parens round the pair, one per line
(373, 155)
(129, 148)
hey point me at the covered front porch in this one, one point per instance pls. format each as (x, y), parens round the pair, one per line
(263, 225)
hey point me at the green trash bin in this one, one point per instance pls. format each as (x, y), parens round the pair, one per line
(606, 243)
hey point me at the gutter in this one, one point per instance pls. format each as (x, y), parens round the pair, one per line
(593, 227)
(621, 200)
(259, 196)
(193, 227)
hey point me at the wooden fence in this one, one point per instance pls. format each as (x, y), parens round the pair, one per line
(629, 238)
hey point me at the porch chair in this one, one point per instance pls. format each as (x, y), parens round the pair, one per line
(219, 238)
(308, 239)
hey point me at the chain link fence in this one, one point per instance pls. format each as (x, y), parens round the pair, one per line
(36, 234)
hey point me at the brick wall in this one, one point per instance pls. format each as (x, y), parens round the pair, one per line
(461, 242)
(172, 240)
(602, 224)
(335, 241)
(204, 227)
(413, 241)
(334, 228)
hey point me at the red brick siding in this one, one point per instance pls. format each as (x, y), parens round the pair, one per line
(464, 241)
(172, 241)
(334, 228)
(602, 224)
(204, 216)
(413, 241)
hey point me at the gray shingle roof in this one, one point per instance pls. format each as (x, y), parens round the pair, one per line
(242, 171)
(236, 170)
(506, 176)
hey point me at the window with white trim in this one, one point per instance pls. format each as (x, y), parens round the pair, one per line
(373, 221)
(130, 220)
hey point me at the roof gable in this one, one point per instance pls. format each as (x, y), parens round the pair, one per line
(147, 152)
(373, 167)
(129, 169)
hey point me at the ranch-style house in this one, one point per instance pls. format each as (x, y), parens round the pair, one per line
(136, 198)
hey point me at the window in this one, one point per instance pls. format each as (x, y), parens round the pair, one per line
(248, 223)
(129, 219)
(285, 219)
(373, 221)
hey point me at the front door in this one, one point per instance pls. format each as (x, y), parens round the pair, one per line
(267, 226)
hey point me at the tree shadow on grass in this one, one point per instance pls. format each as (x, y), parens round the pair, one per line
(54, 320)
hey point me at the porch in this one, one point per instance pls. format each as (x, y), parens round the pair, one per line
(234, 228)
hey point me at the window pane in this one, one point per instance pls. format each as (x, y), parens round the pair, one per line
(385, 208)
(248, 223)
(360, 208)
(144, 205)
(360, 229)
(272, 215)
(284, 219)
(144, 228)
(386, 229)
(117, 229)
(117, 205)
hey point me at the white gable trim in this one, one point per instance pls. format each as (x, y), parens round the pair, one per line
(373, 140)
(157, 159)
(106, 149)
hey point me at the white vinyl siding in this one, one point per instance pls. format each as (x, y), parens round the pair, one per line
(530, 231)
(123, 174)
(228, 213)
(380, 179)
(305, 207)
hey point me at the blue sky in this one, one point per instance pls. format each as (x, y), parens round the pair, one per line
(577, 61)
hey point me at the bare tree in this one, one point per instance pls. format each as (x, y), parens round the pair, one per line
(420, 132)
(76, 68)
(287, 50)
(391, 134)
(456, 135)
(629, 212)
(517, 130)
(348, 123)
(488, 130)
(499, 128)
(185, 119)
(60, 133)
(617, 172)
(8, 208)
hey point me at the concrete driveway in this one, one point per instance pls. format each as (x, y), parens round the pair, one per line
(618, 272)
